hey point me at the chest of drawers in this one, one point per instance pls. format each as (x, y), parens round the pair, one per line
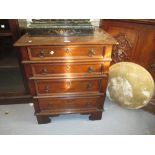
(67, 74)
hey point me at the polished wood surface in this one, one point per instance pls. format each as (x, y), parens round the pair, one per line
(100, 37)
(67, 77)
(136, 44)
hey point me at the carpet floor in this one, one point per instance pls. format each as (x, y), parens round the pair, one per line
(19, 119)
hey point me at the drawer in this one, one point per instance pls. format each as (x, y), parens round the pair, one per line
(65, 52)
(77, 68)
(70, 103)
(44, 87)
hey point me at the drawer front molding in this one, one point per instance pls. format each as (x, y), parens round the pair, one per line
(70, 103)
(45, 87)
(65, 52)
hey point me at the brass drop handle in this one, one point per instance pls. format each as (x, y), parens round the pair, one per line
(67, 51)
(91, 52)
(90, 69)
(89, 86)
(44, 71)
(41, 54)
(46, 88)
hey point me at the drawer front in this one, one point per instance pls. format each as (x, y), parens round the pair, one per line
(64, 52)
(49, 69)
(70, 103)
(44, 87)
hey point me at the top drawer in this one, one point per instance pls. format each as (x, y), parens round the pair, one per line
(65, 52)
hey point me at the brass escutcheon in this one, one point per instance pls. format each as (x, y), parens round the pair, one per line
(67, 68)
(68, 84)
(91, 52)
(41, 54)
(46, 88)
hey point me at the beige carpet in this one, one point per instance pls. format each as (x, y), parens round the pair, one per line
(116, 120)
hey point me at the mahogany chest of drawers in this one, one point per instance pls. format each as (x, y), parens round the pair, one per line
(67, 74)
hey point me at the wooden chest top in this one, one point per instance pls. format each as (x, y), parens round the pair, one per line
(100, 37)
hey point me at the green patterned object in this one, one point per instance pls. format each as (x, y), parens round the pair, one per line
(130, 85)
(60, 27)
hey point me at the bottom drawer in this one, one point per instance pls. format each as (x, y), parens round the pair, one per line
(70, 103)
